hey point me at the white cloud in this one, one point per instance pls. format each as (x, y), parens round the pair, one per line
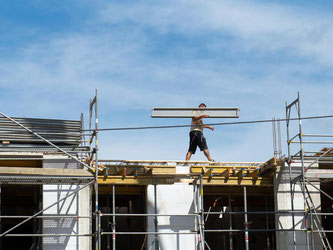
(259, 26)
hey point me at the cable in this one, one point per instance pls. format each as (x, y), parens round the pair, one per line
(212, 124)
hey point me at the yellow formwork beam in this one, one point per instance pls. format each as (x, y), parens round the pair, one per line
(219, 181)
(239, 171)
(163, 172)
(233, 181)
(132, 180)
(119, 170)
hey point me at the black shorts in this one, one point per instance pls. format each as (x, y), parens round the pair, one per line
(197, 139)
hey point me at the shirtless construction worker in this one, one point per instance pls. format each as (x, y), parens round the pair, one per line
(196, 135)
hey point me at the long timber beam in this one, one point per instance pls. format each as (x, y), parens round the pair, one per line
(192, 112)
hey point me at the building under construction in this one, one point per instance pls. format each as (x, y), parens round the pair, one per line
(57, 194)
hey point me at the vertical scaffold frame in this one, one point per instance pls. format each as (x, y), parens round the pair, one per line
(289, 107)
(311, 217)
(93, 144)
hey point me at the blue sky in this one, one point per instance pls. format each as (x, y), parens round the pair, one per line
(254, 55)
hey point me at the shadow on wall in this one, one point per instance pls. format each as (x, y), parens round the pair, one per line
(67, 226)
(60, 226)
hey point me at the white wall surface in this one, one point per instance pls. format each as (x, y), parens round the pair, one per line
(172, 199)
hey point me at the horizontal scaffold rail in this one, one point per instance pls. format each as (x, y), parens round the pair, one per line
(316, 174)
(146, 172)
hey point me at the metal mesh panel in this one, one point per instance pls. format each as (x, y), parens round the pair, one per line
(38, 149)
(61, 163)
(21, 179)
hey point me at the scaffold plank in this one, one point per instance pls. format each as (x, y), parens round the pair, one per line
(43, 171)
(17, 175)
(319, 174)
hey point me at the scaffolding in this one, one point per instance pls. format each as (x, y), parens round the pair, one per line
(200, 174)
(26, 140)
(305, 175)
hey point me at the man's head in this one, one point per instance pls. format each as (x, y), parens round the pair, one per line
(202, 105)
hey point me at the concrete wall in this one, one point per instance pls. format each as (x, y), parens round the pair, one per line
(172, 199)
(76, 205)
(283, 203)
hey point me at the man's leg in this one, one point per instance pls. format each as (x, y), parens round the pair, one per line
(188, 156)
(192, 147)
(207, 154)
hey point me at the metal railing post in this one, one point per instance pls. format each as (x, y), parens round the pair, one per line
(155, 218)
(231, 245)
(113, 217)
(268, 242)
(98, 215)
(290, 173)
(302, 164)
(202, 210)
(246, 223)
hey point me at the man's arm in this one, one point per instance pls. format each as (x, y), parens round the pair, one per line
(206, 126)
(197, 118)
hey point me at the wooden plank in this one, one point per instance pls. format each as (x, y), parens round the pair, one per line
(131, 180)
(218, 181)
(117, 166)
(116, 169)
(157, 171)
(174, 162)
(233, 181)
(220, 169)
(269, 166)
